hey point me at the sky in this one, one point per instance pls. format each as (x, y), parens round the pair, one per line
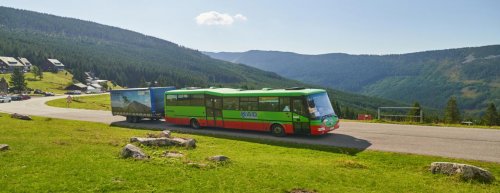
(307, 27)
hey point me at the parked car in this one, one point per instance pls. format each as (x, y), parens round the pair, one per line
(49, 94)
(38, 91)
(16, 98)
(25, 97)
(74, 92)
(5, 99)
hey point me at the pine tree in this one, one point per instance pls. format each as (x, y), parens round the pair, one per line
(39, 73)
(35, 71)
(452, 115)
(414, 112)
(4, 86)
(491, 117)
(17, 81)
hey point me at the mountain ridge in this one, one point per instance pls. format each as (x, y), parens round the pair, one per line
(470, 74)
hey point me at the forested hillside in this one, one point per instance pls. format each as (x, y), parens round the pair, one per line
(129, 58)
(431, 77)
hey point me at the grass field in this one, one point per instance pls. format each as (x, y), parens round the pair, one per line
(51, 155)
(92, 102)
(51, 82)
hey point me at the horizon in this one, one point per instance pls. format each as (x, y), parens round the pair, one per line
(364, 28)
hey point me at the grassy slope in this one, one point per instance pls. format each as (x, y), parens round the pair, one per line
(58, 155)
(51, 82)
(93, 102)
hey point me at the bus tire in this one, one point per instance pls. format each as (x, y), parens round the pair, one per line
(128, 118)
(278, 130)
(194, 124)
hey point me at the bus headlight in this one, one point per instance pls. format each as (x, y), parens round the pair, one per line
(321, 129)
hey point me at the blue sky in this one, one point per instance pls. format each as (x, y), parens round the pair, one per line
(310, 27)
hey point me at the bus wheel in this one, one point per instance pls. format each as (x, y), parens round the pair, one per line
(195, 124)
(128, 119)
(277, 130)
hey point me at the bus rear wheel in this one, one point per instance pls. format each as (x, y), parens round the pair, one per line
(194, 124)
(278, 130)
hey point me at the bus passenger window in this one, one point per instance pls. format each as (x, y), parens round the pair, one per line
(285, 104)
(298, 107)
(269, 104)
(172, 100)
(231, 103)
(197, 100)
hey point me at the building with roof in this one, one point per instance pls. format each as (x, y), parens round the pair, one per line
(8, 64)
(27, 64)
(77, 86)
(53, 65)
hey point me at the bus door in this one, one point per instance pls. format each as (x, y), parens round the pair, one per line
(299, 118)
(213, 106)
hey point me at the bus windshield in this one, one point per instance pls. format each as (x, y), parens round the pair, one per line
(319, 105)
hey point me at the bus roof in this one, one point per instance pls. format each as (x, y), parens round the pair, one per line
(240, 92)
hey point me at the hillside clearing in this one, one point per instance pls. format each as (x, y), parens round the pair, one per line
(51, 82)
(59, 155)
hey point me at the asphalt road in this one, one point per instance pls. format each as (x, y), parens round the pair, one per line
(467, 143)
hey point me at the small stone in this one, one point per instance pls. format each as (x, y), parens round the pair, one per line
(132, 151)
(19, 116)
(219, 158)
(165, 133)
(173, 154)
(4, 147)
(466, 172)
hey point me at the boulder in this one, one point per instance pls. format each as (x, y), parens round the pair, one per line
(132, 151)
(219, 158)
(466, 172)
(19, 116)
(165, 133)
(188, 143)
(4, 147)
(151, 141)
(163, 141)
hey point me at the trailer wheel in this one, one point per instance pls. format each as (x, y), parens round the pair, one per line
(278, 130)
(195, 124)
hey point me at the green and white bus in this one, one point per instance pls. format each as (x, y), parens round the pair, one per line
(280, 111)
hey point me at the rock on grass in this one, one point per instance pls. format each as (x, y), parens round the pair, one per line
(466, 172)
(22, 117)
(4, 147)
(133, 151)
(219, 158)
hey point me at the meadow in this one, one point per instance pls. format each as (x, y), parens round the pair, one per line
(53, 155)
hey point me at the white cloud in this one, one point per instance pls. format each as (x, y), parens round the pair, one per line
(216, 18)
(240, 17)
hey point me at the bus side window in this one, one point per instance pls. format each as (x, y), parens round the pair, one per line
(197, 100)
(231, 103)
(298, 106)
(172, 100)
(183, 100)
(249, 103)
(285, 104)
(269, 104)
